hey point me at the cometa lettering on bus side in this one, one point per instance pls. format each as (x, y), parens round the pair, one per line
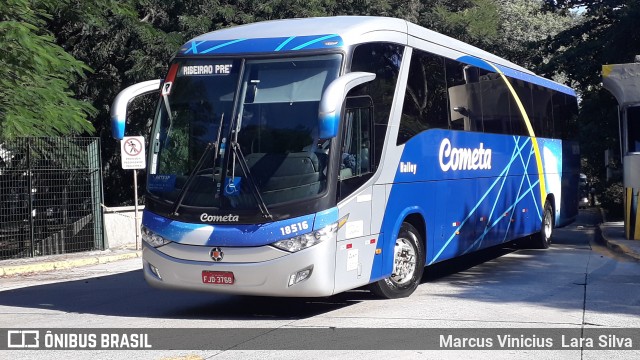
(452, 158)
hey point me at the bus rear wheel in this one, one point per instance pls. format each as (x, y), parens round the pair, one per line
(542, 240)
(408, 265)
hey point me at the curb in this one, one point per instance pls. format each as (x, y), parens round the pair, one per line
(621, 248)
(65, 264)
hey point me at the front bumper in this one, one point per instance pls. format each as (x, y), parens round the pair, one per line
(260, 275)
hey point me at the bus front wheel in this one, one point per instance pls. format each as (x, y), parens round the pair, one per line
(408, 265)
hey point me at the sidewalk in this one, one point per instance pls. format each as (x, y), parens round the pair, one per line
(67, 261)
(613, 236)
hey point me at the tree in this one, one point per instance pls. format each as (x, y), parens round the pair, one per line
(524, 27)
(123, 46)
(472, 21)
(513, 29)
(35, 73)
(609, 33)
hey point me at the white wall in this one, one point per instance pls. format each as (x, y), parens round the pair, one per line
(119, 226)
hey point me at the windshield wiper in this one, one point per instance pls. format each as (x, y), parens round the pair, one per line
(192, 176)
(215, 145)
(165, 101)
(254, 187)
(215, 155)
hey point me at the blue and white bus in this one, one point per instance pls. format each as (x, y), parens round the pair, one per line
(307, 157)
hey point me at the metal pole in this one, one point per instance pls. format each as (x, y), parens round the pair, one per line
(135, 194)
(30, 199)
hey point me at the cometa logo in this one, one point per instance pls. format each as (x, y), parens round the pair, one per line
(218, 218)
(463, 158)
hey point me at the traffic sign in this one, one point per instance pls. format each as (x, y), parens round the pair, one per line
(132, 152)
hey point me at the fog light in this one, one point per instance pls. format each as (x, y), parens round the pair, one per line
(155, 271)
(301, 275)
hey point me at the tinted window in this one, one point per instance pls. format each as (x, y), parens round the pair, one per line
(384, 60)
(633, 129)
(542, 116)
(480, 100)
(565, 113)
(425, 99)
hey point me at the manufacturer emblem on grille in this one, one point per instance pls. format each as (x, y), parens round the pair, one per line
(216, 254)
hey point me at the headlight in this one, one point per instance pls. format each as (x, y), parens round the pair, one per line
(301, 242)
(151, 238)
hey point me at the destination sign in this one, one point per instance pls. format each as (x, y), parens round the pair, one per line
(209, 69)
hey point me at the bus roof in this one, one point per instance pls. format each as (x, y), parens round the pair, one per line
(292, 35)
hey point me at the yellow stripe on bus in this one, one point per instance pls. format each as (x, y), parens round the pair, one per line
(636, 235)
(534, 141)
(627, 211)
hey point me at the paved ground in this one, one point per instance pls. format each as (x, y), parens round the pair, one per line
(577, 284)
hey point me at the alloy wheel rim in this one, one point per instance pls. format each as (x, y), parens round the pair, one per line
(404, 262)
(547, 225)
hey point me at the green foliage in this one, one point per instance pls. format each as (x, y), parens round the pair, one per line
(122, 43)
(612, 201)
(598, 132)
(475, 22)
(512, 29)
(35, 73)
(608, 33)
(524, 26)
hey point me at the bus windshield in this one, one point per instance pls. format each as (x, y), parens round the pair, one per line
(240, 134)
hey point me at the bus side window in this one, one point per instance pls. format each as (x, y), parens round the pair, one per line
(565, 111)
(497, 103)
(425, 99)
(541, 118)
(459, 107)
(633, 130)
(356, 145)
(356, 165)
(384, 60)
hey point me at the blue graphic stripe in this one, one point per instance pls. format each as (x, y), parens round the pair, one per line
(221, 46)
(500, 177)
(526, 174)
(314, 41)
(517, 152)
(284, 43)
(525, 177)
(516, 74)
(193, 48)
(229, 234)
(530, 190)
(261, 45)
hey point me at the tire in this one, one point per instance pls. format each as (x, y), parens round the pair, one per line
(408, 266)
(542, 240)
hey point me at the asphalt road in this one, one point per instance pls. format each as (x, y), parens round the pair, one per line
(577, 284)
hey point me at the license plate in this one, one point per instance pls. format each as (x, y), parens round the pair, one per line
(218, 277)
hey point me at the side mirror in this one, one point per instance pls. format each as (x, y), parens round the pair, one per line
(332, 98)
(119, 106)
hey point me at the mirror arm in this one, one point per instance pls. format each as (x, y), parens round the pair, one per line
(119, 106)
(333, 96)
